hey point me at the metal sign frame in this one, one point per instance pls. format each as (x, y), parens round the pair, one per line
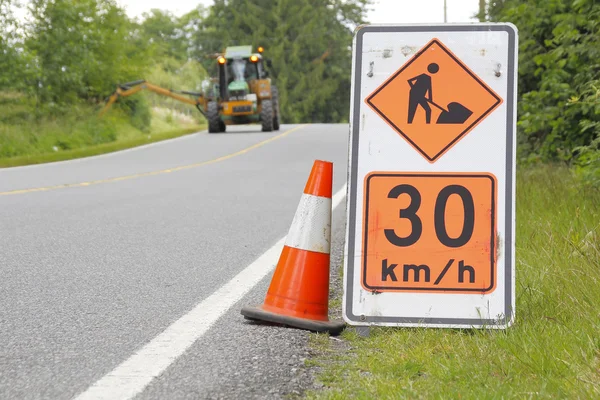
(352, 253)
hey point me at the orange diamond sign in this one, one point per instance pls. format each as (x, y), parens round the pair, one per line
(434, 100)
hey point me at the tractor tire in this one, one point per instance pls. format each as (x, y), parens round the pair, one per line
(275, 97)
(212, 114)
(266, 116)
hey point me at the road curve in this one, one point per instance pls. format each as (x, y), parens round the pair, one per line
(99, 256)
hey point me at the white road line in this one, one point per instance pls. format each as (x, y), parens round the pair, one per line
(134, 374)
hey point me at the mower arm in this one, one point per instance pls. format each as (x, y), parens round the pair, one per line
(130, 88)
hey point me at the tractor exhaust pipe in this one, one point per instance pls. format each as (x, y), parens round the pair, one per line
(223, 82)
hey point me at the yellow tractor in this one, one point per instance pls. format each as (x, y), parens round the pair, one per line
(242, 92)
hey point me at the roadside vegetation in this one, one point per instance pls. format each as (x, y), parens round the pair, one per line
(25, 139)
(559, 81)
(553, 349)
(65, 57)
(62, 58)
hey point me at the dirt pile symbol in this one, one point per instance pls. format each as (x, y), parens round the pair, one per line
(433, 77)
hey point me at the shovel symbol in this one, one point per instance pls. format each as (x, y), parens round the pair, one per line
(455, 114)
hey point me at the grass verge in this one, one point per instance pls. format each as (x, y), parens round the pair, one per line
(552, 351)
(97, 149)
(29, 136)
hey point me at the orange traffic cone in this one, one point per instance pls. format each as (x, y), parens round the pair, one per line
(298, 295)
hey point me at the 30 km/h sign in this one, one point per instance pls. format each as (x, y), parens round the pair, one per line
(431, 205)
(428, 227)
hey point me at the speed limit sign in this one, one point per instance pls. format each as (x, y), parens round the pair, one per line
(431, 205)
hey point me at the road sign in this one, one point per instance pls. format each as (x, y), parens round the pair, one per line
(431, 205)
(405, 100)
(436, 231)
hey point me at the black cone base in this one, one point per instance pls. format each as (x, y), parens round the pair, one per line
(257, 313)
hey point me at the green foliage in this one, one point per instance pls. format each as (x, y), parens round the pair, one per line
(60, 63)
(11, 62)
(25, 138)
(588, 163)
(588, 160)
(82, 48)
(170, 73)
(559, 75)
(97, 149)
(307, 41)
(165, 34)
(49, 134)
(73, 52)
(138, 110)
(551, 351)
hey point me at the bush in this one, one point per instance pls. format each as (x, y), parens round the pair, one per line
(588, 163)
(559, 76)
(99, 131)
(138, 109)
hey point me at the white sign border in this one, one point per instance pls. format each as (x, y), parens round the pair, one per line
(352, 204)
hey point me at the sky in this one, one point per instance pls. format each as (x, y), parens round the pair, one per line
(383, 11)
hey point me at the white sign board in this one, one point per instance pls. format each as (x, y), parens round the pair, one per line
(431, 191)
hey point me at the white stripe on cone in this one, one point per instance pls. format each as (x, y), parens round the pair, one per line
(311, 227)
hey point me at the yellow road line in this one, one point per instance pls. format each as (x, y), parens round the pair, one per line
(152, 173)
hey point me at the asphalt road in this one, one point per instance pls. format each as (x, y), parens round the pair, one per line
(99, 256)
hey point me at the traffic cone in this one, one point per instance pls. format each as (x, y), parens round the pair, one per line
(298, 295)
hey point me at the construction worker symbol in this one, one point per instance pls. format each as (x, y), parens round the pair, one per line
(421, 94)
(433, 100)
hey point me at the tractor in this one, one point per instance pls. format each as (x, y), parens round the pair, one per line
(242, 92)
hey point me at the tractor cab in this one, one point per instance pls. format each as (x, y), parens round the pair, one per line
(240, 72)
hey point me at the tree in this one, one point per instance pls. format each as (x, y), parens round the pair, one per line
(559, 67)
(82, 48)
(164, 33)
(482, 14)
(307, 41)
(11, 59)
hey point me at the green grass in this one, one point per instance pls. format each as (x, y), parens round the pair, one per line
(78, 131)
(552, 351)
(97, 149)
